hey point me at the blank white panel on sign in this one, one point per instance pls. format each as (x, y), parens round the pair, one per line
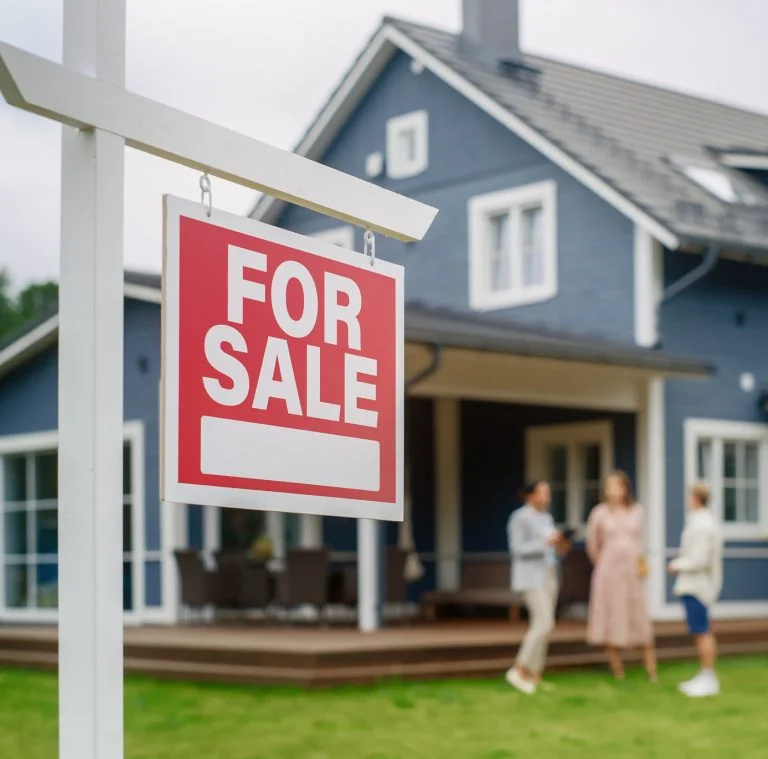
(231, 448)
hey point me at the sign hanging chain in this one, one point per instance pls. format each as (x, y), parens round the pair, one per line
(369, 245)
(205, 192)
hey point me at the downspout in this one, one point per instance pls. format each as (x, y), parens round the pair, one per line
(711, 257)
(414, 570)
(693, 276)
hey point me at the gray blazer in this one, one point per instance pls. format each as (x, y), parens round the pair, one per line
(527, 533)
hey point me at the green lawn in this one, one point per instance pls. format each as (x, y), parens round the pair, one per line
(586, 715)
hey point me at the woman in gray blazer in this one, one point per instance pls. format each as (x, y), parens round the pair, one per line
(534, 543)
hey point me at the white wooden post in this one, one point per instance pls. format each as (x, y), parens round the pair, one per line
(368, 567)
(87, 93)
(91, 403)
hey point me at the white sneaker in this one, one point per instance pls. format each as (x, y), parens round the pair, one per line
(702, 686)
(514, 679)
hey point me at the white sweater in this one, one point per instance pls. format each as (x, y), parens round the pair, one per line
(700, 563)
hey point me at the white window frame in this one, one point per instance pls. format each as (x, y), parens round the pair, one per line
(719, 431)
(40, 442)
(400, 166)
(343, 237)
(513, 201)
(572, 435)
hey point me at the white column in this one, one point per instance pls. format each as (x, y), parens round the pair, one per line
(174, 536)
(648, 286)
(310, 531)
(211, 533)
(651, 456)
(276, 532)
(91, 404)
(448, 492)
(368, 586)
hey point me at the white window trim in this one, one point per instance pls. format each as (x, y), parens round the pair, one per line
(718, 429)
(480, 207)
(133, 433)
(538, 439)
(398, 166)
(343, 237)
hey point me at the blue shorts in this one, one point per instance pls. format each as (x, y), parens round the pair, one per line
(697, 615)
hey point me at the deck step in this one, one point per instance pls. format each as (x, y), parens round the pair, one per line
(238, 673)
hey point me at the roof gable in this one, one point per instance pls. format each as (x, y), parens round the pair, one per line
(614, 135)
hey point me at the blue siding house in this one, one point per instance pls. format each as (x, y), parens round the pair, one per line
(592, 295)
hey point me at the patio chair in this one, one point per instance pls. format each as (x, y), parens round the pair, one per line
(304, 581)
(255, 590)
(396, 586)
(196, 582)
(228, 583)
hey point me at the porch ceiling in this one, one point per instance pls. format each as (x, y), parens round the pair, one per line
(473, 332)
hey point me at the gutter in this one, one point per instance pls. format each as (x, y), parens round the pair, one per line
(429, 370)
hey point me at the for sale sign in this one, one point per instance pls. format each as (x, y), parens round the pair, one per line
(282, 370)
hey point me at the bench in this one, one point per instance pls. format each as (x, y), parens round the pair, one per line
(486, 583)
(483, 584)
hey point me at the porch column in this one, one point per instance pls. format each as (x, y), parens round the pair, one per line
(275, 521)
(174, 534)
(448, 492)
(651, 456)
(368, 571)
(211, 532)
(311, 531)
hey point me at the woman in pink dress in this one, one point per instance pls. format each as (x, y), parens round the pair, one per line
(618, 614)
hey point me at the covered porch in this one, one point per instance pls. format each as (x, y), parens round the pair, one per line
(489, 405)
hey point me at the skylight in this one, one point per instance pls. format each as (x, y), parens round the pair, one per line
(720, 182)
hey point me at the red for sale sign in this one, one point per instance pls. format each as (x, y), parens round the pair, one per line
(282, 370)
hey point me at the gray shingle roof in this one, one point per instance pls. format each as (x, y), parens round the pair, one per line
(626, 133)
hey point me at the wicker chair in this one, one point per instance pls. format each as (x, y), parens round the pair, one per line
(197, 583)
(304, 581)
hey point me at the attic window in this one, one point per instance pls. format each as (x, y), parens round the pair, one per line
(720, 182)
(407, 145)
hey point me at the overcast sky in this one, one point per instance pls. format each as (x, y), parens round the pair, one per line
(265, 68)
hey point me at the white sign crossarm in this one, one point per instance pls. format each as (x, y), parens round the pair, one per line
(48, 89)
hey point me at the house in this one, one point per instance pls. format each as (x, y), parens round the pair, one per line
(591, 295)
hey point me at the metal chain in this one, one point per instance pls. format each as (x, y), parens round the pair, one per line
(205, 191)
(369, 245)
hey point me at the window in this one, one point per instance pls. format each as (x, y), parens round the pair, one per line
(574, 459)
(344, 237)
(732, 458)
(407, 145)
(721, 182)
(513, 247)
(30, 527)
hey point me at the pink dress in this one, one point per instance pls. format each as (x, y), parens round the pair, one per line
(618, 612)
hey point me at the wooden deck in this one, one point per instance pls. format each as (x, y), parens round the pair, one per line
(314, 657)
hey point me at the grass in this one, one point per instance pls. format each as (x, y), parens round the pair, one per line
(586, 714)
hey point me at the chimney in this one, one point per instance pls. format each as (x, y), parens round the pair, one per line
(491, 32)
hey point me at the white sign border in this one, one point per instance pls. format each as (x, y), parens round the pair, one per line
(261, 500)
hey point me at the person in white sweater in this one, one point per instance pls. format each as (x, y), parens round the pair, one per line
(699, 572)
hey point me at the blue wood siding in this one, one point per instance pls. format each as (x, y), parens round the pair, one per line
(28, 396)
(724, 318)
(29, 403)
(470, 154)
(493, 462)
